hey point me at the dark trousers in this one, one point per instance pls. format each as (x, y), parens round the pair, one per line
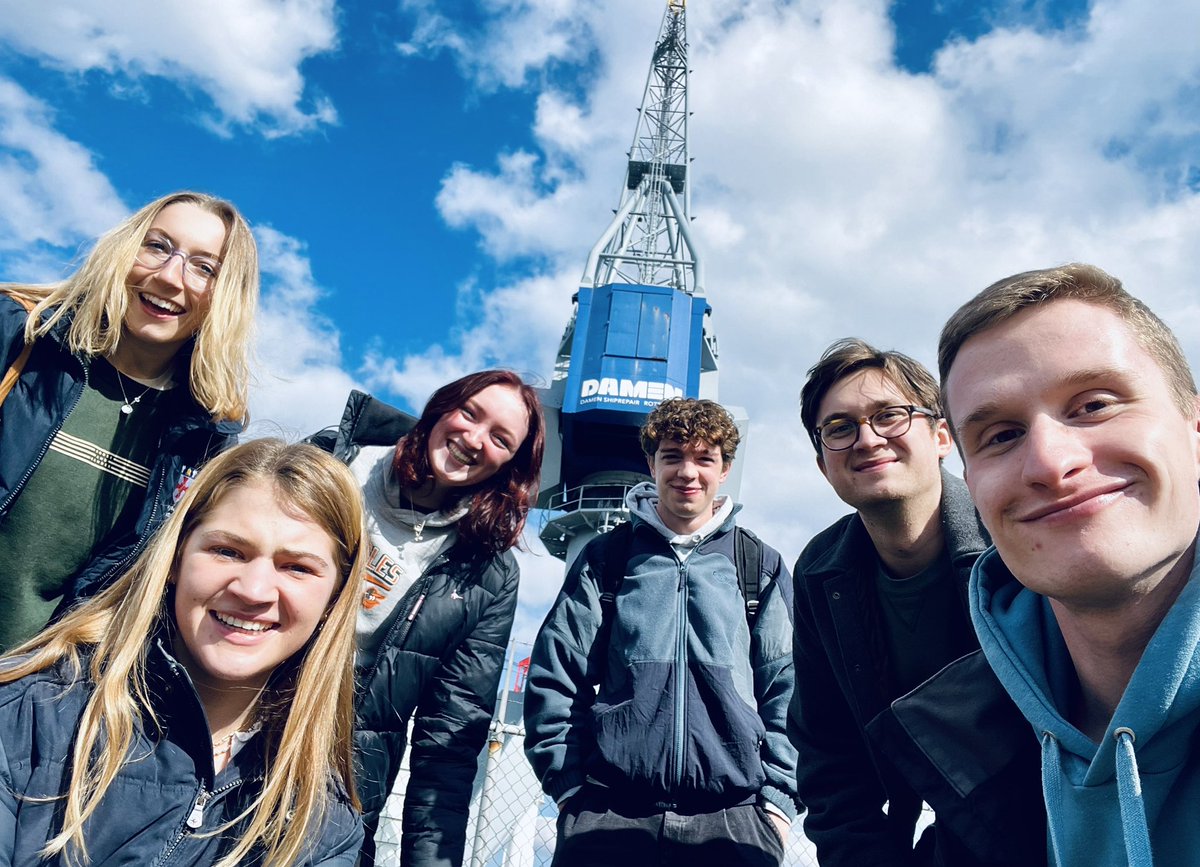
(595, 830)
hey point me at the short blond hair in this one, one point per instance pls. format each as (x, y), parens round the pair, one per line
(1006, 298)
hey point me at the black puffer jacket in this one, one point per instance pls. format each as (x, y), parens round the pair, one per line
(164, 805)
(439, 664)
(48, 390)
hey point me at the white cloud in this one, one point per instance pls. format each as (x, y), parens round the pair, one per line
(518, 37)
(541, 579)
(245, 55)
(511, 326)
(837, 194)
(51, 191)
(300, 383)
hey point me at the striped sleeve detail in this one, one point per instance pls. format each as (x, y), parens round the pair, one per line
(101, 459)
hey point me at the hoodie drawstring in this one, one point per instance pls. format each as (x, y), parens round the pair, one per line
(1133, 808)
(1129, 795)
(1052, 791)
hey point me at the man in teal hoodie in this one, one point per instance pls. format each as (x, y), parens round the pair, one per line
(1079, 426)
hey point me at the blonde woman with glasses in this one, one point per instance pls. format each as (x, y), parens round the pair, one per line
(122, 380)
(199, 711)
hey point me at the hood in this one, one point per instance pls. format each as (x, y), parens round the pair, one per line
(1024, 646)
(642, 502)
(366, 421)
(1130, 772)
(392, 497)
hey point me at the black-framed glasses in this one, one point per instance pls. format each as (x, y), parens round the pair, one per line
(841, 432)
(198, 271)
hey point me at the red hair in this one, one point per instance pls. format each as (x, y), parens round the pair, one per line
(500, 504)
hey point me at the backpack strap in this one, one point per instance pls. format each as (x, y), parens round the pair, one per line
(747, 556)
(14, 371)
(615, 556)
(617, 543)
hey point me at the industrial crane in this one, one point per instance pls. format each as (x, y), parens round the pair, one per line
(640, 331)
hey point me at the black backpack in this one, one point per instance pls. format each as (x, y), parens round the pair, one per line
(747, 557)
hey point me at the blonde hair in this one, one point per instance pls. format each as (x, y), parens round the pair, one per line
(307, 709)
(96, 297)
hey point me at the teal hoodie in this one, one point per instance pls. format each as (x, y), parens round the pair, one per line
(1135, 798)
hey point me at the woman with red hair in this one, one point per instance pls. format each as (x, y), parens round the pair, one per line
(446, 496)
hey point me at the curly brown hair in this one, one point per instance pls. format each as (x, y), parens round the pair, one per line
(688, 420)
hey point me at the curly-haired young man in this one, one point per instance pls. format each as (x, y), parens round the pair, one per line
(658, 720)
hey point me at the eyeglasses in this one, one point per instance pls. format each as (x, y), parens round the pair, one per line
(841, 432)
(198, 271)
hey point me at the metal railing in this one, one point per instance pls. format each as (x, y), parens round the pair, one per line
(592, 496)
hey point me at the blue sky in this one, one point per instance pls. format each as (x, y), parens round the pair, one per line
(426, 178)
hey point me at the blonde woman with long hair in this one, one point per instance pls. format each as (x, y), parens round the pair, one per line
(125, 378)
(199, 711)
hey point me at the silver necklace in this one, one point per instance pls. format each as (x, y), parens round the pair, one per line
(128, 405)
(418, 526)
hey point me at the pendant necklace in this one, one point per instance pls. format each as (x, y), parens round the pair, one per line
(128, 405)
(223, 746)
(418, 526)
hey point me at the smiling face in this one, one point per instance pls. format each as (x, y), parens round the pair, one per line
(253, 582)
(469, 445)
(876, 470)
(687, 478)
(164, 311)
(1080, 461)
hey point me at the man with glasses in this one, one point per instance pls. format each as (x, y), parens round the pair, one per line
(880, 595)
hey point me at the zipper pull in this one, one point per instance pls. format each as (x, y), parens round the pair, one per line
(196, 818)
(417, 607)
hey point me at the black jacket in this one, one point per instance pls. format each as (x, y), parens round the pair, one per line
(840, 687)
(961, 742)
(48, 390)
(439, 664)
(144, 817)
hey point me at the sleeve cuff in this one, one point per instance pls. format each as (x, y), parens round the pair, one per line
(771, 808)
(778, 801)
(562, 785)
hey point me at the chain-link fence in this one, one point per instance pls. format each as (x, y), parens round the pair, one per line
(512, 824)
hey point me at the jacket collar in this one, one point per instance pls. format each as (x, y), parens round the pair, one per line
(965, 536)
(368, 421)
(181, 715)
